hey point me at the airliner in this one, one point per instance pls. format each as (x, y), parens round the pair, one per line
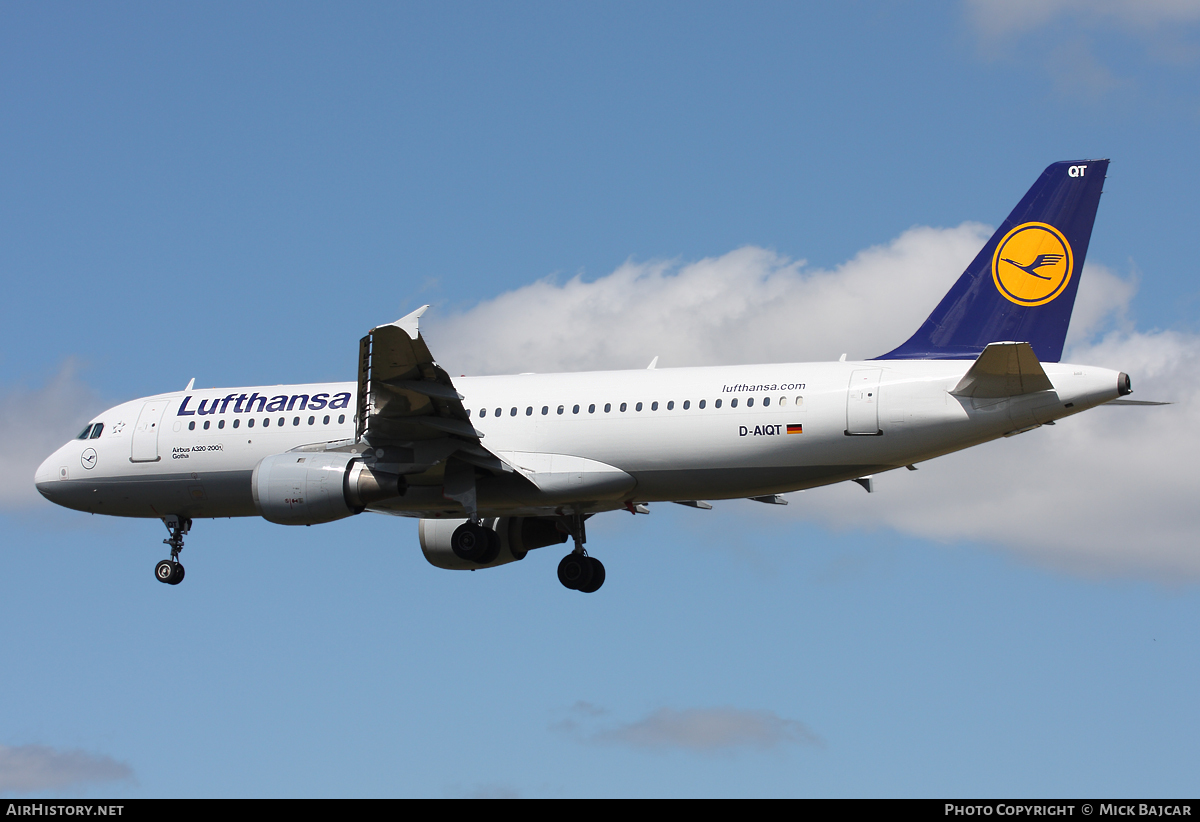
(494, 467)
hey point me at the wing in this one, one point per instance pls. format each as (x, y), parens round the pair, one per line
(409, 409)
(403, 395)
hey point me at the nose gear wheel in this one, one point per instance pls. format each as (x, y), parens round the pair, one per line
(170, 570)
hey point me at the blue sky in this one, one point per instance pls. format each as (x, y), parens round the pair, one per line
(238, 192)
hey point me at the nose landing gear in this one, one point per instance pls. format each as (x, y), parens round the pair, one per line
(169, 570)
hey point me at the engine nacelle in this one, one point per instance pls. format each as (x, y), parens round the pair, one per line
(518, 536)
(306, 488)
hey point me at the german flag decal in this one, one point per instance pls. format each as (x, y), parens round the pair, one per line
(795, 429)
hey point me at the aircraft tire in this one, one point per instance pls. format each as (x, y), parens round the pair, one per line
(163, 571)
(597, 577)
(493, 547)
(575, 571)
(471, 542)
(178, 576)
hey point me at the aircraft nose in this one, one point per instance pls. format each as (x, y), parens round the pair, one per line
(47, 476)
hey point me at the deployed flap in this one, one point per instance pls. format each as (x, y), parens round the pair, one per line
(403, 395)
(1004, 369)
(563, 473)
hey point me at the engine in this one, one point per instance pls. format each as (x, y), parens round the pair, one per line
(306, 488)
(516, 536)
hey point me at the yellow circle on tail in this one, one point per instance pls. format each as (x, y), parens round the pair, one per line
(1032, 264)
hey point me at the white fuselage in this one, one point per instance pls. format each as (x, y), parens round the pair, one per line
(763, 429)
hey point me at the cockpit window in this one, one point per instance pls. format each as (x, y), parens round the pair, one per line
(96, 429)
(83, 435)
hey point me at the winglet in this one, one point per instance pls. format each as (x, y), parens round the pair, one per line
(653, 364)
(408, 323)
(191, 382)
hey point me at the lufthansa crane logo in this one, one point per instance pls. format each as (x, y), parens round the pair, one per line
(1032, 264)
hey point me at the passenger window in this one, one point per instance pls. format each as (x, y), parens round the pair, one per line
(607, 407)
(341, 418)
(783, 400)
(206, 424)
(623, 406)
(575, 409)
(192, 425)
(732, 403)
(766, 401)
(717, 404)
(560, 409)
(282, 420)
(326, 420)
(295, 420)
(237, 423)
(749, 402)
(529, 411)
(545, 410)
(799, 401)
(499, 412)
(266, 422)
(592, 408)
(312, 420)
(220, 424)
(637, 407)
(687, 404)
(671, 405)
(250, 423)
(513, 411)
(654, 406)
(702, 403)
(83, 435)
(483, 412)
(96, 429)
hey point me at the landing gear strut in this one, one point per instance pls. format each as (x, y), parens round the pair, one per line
(577, 570)
(169, 570)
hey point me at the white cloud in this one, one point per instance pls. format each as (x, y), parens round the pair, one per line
(750, 305)
(1061, 36)
(709, 730)
(33, 423)
(999, 17)
(1105, 493)
(38, 768)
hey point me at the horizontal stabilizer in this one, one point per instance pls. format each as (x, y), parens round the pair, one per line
(1136, 402)
(1004, 369)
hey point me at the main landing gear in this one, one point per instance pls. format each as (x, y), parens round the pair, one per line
(475, 542)
(577, 570)
(169, 570)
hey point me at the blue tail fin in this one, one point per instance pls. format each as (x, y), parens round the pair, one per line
(1021, 286)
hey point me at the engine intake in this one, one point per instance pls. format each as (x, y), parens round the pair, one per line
(306, 488)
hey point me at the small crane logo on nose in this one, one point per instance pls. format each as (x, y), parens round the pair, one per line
(88, 458)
